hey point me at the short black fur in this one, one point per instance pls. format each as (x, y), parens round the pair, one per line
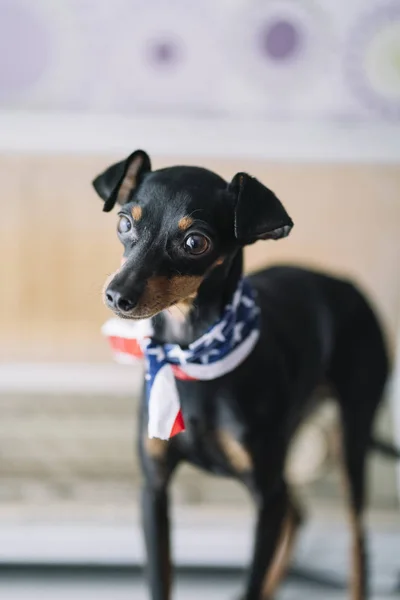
(316, 330)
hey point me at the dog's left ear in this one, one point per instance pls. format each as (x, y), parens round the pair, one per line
(259, 215)
(117, 182)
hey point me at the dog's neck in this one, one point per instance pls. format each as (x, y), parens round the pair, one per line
(187, 321)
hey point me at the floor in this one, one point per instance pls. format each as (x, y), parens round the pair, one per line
(216, 574)
(48, 559)
(131, 587)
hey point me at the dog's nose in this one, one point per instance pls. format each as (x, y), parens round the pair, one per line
(116, 300)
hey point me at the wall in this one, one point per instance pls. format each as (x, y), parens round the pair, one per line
(314, 59)
(59, 246)
(304, 94)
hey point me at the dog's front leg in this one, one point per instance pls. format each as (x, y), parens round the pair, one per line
(272, 508)
(156, 534)
(158, 462)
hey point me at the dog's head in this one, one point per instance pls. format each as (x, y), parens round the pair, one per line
(176, 225)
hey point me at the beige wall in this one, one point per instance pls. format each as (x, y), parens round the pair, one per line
(57, 246)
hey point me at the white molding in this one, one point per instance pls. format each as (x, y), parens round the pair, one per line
(72, 378)
(306, 141)
(121, 545)
(216, 544)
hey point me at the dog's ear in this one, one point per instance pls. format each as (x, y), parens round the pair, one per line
(258, 214)
(118, 181)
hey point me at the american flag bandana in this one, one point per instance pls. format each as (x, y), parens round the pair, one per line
(219, 351)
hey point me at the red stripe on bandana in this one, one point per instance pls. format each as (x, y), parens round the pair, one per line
(126, 346)
(131, 347)
(178, 426)
(179, 374)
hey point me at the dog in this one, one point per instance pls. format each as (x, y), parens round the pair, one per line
(183, 230)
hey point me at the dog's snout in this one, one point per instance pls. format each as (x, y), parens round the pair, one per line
(116, 300)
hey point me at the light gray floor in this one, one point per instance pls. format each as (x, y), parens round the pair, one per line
(129, 588)
(214, 541)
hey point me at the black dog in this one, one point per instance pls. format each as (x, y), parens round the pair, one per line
(183, 231)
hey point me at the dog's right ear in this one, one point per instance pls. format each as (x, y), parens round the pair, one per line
(117, 182)
(258, 214)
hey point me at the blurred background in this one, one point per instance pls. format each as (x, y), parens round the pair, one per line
(304, 95)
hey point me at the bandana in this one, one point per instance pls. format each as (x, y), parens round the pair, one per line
(218, 352)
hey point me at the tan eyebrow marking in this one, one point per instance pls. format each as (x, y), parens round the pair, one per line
(137, 212)
(185, 223)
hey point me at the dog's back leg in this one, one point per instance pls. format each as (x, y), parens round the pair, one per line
(272, 508)
(354, 451)
(359, 372)
(283, 553)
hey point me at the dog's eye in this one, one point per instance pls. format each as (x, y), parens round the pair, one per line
(124, 225)
(196, 244)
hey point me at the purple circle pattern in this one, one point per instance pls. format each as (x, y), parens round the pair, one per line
(282, 46)
(24, 48)
(280, 41)
(164, 53)
(357, 78)
(172, 54)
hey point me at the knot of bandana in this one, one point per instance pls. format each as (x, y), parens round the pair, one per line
(218, 352)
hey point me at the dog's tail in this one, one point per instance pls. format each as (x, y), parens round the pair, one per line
(386, 449)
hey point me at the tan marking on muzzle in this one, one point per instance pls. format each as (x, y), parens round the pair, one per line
(137, 212)
(162, 292)
(180, 310)
(185, 223)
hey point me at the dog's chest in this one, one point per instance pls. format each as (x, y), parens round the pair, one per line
(214, 434)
